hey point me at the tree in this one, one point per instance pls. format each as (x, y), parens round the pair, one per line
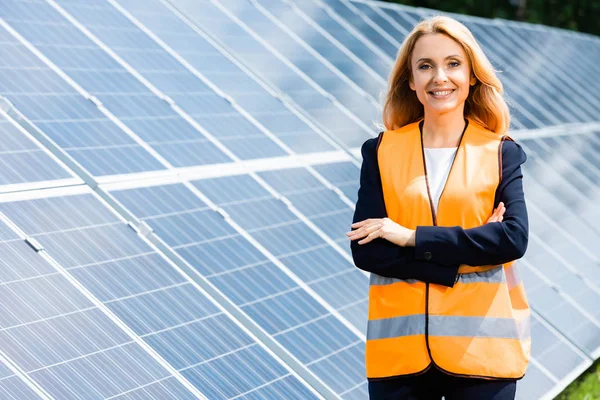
(579, 15)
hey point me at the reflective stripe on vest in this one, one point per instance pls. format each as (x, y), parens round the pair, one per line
(479, 327)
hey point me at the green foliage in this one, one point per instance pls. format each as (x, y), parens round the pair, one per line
(579, 15)
(586, 387)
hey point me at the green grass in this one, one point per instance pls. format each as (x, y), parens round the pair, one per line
(586, 387)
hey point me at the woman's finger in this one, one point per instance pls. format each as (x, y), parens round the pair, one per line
(370, 237)
(358, 233)
(364, 231)
(362, 223)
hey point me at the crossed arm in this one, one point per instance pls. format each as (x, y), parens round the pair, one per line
(432, 253)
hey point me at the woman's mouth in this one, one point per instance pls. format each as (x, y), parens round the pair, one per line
(441, 94)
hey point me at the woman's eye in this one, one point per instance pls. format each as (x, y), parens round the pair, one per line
(454, 63)
(424, 66)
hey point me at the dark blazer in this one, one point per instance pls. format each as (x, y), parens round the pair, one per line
(440, 250)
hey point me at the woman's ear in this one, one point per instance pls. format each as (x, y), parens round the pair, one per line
(473, 80)
(411, 84)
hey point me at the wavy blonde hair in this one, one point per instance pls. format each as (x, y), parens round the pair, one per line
(484, 104)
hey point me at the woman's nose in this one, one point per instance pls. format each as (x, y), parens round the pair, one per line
(440, 76)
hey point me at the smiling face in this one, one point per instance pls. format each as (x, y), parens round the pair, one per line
(441, 74)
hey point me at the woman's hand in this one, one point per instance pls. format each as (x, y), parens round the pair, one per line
(498, 213)
(384, 228)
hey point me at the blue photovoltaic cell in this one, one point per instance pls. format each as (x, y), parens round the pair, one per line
(22, 160)
(581, 150)
(260, 288)
(318, 203)
(583, 177)
(211, 111)
(12, 387)
(521, 85)
(62, 341)
(523, 108)
(568, 156)
(307, 62)
(71, 121)
(152, 298)
(144, 113)
(535, 384)
(266, 65)
(562, 188)
(210, 62)
(375, 60)
(552, 351)
(406, 19)
(387, 44)
(395, 30)
(557, 61)
(368, 79)
(269, 221)
(557, 357)
(555, 307)
(344, 175)
(572, 226)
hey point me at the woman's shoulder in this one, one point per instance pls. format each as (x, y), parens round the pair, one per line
(369, 147)
(511, 148)
(512, 152)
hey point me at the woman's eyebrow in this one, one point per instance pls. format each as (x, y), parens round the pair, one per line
(430, 60)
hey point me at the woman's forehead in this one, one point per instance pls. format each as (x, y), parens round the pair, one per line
(436, 46)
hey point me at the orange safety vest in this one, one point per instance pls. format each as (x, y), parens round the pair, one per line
(480, 326)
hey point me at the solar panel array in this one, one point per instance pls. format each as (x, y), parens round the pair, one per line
(177, 177)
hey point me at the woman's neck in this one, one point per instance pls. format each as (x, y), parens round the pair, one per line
(443, 130)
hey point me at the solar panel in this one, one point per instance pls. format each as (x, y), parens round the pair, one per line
(276, 114)
(22, 159)
(365, 25)
(553, 360)
(14, 388)
(580, 150)
(327, 270)
(313, 199)
(560, 76)
(526, 108)
(211, 111)
(70, 120)
(163, 308)
(365, 64)
(516, 52)
(303, 78)
(564, 189)
(382, 20)
(344, 175)
(63, 341)
(275, 295)
(150, 117)
(406, 19)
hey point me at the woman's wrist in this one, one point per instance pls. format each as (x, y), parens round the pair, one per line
(411, 239)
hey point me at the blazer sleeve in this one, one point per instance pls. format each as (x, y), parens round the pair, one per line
(381, 256)
(494, 243)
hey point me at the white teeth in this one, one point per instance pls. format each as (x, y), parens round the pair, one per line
(442, 93)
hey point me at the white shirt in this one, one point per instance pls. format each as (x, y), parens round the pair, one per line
(438, 162)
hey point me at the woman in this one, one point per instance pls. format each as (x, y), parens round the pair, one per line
(439, 221)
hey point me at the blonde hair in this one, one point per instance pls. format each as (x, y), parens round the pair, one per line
(485, 103)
